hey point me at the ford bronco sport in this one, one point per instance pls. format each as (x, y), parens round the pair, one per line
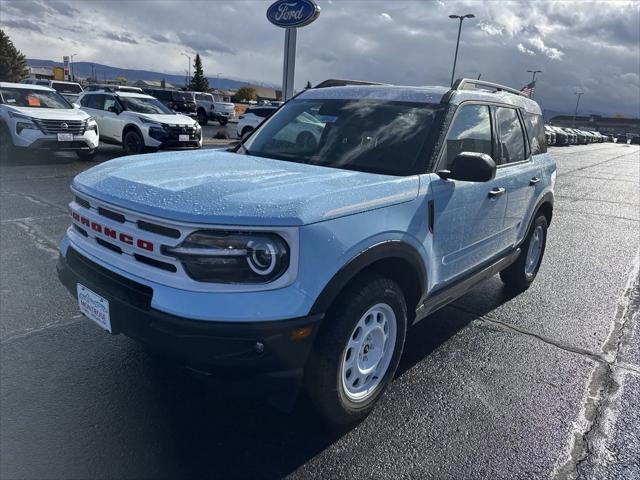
(310, 256)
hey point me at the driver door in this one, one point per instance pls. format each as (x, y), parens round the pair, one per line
(468, 217)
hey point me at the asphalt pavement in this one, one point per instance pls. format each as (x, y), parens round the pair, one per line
(545, 384)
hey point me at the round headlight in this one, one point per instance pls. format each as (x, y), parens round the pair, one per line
(262, 257)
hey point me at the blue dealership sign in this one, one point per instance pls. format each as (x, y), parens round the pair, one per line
(293, 13)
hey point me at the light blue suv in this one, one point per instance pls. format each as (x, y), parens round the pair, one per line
(308, 256)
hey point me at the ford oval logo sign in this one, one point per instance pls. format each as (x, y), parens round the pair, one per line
(293, 13)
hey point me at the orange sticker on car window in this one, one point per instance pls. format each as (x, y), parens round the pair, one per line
(33, 101)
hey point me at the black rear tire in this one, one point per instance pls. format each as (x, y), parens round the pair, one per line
(520, 274)
(133, 143)
(203, 119)
(87, 156)
(324, 373)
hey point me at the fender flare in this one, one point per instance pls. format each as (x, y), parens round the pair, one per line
(389, 249)
(547, 198)
(130, 126)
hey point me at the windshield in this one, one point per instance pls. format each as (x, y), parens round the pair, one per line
(145, 105)
(23, 97)
(182, 96)
(66, 87)
(376, 136)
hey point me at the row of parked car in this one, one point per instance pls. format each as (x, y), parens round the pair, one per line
(560, 136)
(40, 114)
(200, 105)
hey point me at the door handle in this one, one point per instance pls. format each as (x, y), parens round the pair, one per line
(534, 180)
(496, 192)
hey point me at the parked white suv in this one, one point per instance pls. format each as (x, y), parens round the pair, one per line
(210, 109)
(36, 117)
(140, 122)
(251, 118)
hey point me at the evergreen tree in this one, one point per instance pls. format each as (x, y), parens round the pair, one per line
(199, 83)
(13, 64)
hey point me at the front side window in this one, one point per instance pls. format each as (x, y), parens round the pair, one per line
(511, 146)
(378, 136)
(24, 97)
(469, 132)
(145, 105)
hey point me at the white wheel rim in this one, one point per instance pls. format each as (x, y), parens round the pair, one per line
(535, 251)
(368, 353)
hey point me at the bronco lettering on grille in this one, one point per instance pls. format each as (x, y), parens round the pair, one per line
(113, 234)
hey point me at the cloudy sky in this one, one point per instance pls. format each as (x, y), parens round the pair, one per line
(580, 45)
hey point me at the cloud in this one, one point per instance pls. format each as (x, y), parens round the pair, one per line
(578, 43)
(491, 29)
(22, 25)
(524, 49)
(550, 52)
(123, 38)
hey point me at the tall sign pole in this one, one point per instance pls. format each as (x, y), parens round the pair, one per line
(289, 67)
(291, 15)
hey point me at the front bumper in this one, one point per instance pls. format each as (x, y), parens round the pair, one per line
(276, 348)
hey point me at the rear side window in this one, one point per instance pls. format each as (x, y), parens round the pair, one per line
(511, 146)
(535, 130)
(469, 132)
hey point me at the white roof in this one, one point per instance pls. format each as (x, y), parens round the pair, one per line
(25, 86)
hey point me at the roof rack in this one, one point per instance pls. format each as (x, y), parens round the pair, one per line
(335, 82)
(463, 83)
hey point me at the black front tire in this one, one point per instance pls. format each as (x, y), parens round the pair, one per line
(87, 155)
(323, 376)
(518, 276)
(133, 143)
(7, 149)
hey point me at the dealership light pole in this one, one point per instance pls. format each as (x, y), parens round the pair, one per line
(189, 69)
(579, 94)
(455, 58)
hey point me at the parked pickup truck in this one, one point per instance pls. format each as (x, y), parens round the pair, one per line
(309, 257)
(209, 109)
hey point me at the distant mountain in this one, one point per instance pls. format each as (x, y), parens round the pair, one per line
(102, 72)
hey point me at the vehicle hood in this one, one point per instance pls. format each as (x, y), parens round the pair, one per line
(51, 113)
(168, 118)
(219, 187)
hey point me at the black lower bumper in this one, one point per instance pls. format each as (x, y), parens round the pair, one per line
(54, 144)
(275, 348)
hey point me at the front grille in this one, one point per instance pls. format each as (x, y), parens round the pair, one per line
(174, 130)
(51, 127)
(159, 229)
(118, 217)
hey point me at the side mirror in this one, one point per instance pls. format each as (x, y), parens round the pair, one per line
(114, 109)
(75, 105)
(470, 167)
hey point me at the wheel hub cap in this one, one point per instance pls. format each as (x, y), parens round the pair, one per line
(535, 250)
(368, 353)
